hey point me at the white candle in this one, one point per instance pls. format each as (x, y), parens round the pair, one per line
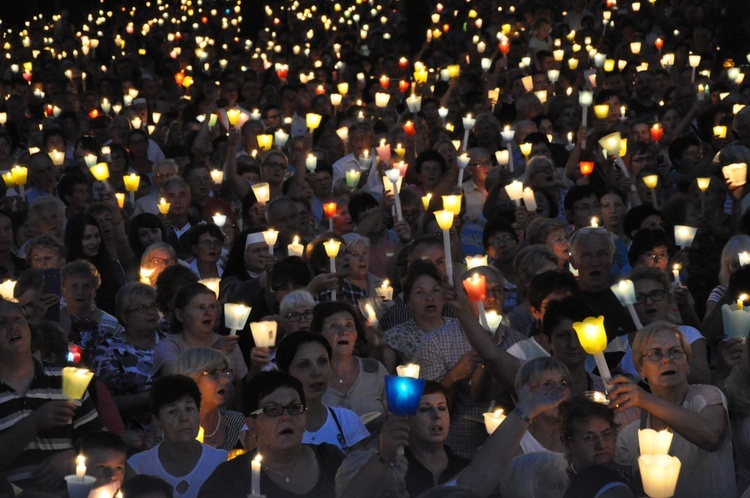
(529, 200)
(80, 466)
(492, 420)
(255, 475)
(271, 236)
(385, 290)
(408, 370)
(676, 273)
(295, 248)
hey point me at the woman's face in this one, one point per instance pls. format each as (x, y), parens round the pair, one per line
(550, 379)
(283, 432)
(208, 249)
(658, 257)
(148, 236)
(256, 215)
(200, 314)
(4, 148)
(565, 344)
(298, 318)
(215, 385)
(666, 372)
(92, 239)
(359, 261)
(311, 366)
(592, 442)
(651, 301)
(118, 161)
(6, 233)
(426, 297)
(613, 212)
(255, 257)
(180, 421)
(79, 292)
(142, 315)
(340, 331)
(431, 423)
(159, 259)
(557, 241)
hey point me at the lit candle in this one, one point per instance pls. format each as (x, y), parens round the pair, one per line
(280, 137)
(493, 419)
(653, 442)
(720, 131)
(262, 192)
(651, 182)
(515, 191)
(403, 394)
(217, 176)
(703, 184)
(75, 381)
(312, 120)
(311, 163)
(264, 333)
(736, 319)
(426, 201)
(385, 291)
(585, 99)
(235, 316)
(476, 289)
(233, 116)
(329, 208)
(468, 122)
(659, 474)
(493, 320)
(80, 466)
(20, 176)
(100, 171)
(736, 173)
(475, 261)
(255, 476)
(624, 290)
(201, 434)
(593, 340)
(145, 274)
(529, 200)
(656, 132)
(120, 199)
(408, 370)
(58, 157)
(452, 203)
(213, 284)
(684, 235)
(586, 167)
(271, 236)
(90, 160)
(676, 274)
(743, 258)
(526, 149)
(163, 206)
(601, 111)
(400, 151)
(445, 222)
(132, 181)
(295, 248)
(219, 220)
(332, 250)
(394, 175)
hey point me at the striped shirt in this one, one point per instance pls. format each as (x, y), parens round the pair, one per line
(46, 386)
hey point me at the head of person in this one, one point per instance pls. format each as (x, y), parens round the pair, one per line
(273, 167)
(42, 172)
(168, 283)
(430, 166)
(175, 403)
(480, 164)
(318, 258)
(206, 240)
(581, 204)
(730, 262)
(592, 253)
(296, 311)
(195, 310)
(361, 138)
(45, 252)
(589, 432)
(145, 229)
(650, 248)
(640, 217)
(283, 215)
(558, 327)
(500, 240)
(338, 323)
(540, 373)
(653, 299)
(366, 213)
(536, 475)
(428, 248)
(143, 486)
(158, 256)
(495, 286)
(662, 356)
(83, 238)
(306, 356)
(177, 193)
(287, 276)
(210, 369)
(79, 282)
(546, 287)
(423, 290)
(358, 255)
(28, 292)
(430, 425)
(106, 454)
(613, 209)
(274, 403)
(136, 308)
(540, 172)
(164, 170)
(530, 261)
(551, 233)
(47, 216)
(410, 207)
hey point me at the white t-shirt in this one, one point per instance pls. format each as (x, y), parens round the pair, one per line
(352, 430)
(186, 486)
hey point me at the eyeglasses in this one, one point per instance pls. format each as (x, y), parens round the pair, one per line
(657, 257)
(502, 239)
(482, 164)
(275, 165)
(274, 410)
(293, 316)
(218, 373)
(590, 439)
(144, 308)
(655, 296)
(656, 355)
(162, 261)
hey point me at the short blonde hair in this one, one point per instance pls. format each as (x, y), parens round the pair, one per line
(644, 336)
(193, 362)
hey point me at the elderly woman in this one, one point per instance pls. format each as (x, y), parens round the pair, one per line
(206, 241)
(306, 357)
(210, 369)
(325, 281)
(358, 279)
(552, 234)
(355, 383)
(275, 405)
(195, 313)
(180, 460)
(244, 275)
(124, 361)
(696, 414)
(84, 323)
(158, 256)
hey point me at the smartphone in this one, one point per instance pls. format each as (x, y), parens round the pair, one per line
(52, 286)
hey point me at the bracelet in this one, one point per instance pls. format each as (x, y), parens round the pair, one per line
(523, 416)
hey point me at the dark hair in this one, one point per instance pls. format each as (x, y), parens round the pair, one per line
(287, 349)
(142, 485)
(635, 216)
(66, 185)
(290, 270)
(646, 240)
(544, 284)
(30, 278)
(321, 311)
(171, 389)
(578, 192)
(183, 298)
(572, 307)
(419, 269)
(74, 231)
(169, 282)
(359, 203)
(433, 387)
(316, 251)
(679, 145)
(195, 233)
(49, 338)
(266, 383)
(582, 408)
(144, 220)
(101, 440)
(494, 226)
(430, 155)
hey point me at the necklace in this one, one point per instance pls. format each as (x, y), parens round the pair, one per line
(218, 424)
(286, 478)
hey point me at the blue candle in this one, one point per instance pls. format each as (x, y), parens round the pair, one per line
(403, 394)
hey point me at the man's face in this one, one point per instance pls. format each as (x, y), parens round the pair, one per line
(15, 336)
(583, 210)
(179, 198)
(592, 256)
(106, 466)
(46, 258)
(640, 133)
(644, 84)
(162, 174)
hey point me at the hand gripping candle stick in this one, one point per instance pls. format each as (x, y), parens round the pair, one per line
(235, 316)
(445, 222)
(593, 340)
(332, 250)
(476, 288)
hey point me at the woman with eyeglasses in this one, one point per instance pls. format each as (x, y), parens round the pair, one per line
(275, 405)
(654, 302)
(695, 414)
(209, 368)
(307, 357)
(124, 361)
(206, 241)
(195, 313)
(273, 169)
(158, 256)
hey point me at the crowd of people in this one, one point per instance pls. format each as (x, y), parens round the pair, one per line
(349, 172)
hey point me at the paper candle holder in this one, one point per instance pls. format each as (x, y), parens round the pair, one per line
(736, 321)
(262, 192)
(452, 203)
(659, 474)
(476, 287)
(100, 171)
(213, 284)
(235, 316)
(611, 143)
(475, 261)
(492, 420)
(75, 381)
(132, 182)
(736, 174)
(403, 394)
(684, 235)
(494, 319)
(79, 487)
(653, 442)
(408, 370)
(591, 334)
(264, 333)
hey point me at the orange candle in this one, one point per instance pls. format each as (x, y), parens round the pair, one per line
(476, 287)
(409, 129)
(587, 167)
(329, 208)
(656, 132)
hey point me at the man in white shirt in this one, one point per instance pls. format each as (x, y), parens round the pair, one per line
(162, 171)
(475, 191)
(361, 138)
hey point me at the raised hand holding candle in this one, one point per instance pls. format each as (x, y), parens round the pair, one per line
(492, 420)
(593, 339)
(235, 316)
(295, 248)
(264, 333)
(271, 236)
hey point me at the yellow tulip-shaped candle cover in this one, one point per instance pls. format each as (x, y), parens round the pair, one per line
(593, 339)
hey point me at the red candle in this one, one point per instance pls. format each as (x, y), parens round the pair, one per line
(409, 128)
(656, 132)
(659, 43)
(403, 86)
(586, 167)
(282, 73)
(329, 208)
(403, 63)
(504, 46)
(446, 27)
(48, 110)
(384, 82)
(27, 76)
(476, 287)
(178, 77)
(320, 90)
(94, 113)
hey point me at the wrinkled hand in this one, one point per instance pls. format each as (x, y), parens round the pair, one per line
(393, 435)
(544, 399)
(54, 414)
(466, 365)
(625, 394)
(51, 473)
(322, 282)
(260, 356)
(226, 344)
